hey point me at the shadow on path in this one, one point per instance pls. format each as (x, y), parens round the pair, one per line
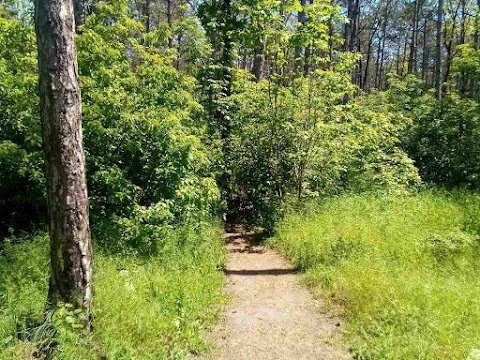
(261, 272)
(270, 315)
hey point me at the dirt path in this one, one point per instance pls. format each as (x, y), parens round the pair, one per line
(270, 315)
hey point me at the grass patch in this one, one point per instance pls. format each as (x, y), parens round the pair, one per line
(144, 308)
(403, 268)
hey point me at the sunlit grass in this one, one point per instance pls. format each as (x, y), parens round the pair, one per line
(403, 269)
(144, 308)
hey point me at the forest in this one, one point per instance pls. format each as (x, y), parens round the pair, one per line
(135, 133)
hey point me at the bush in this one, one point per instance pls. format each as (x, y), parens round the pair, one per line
(443, 141)
(142, 135)
(22, 183)
(302, 141)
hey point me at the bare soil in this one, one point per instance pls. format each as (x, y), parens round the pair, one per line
(270, 314)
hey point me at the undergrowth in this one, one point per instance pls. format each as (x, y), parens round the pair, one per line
(404, 270)
(144, 307)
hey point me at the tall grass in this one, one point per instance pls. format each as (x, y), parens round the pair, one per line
(144, 308)
(403, 269)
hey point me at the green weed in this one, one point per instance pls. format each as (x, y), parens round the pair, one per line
(403, 269)
(144, 308)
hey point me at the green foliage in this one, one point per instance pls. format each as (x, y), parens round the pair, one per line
(21, 163)
(305, 142)
(143, 309)
(401, 269)
(443, 141)
(137, 112)
(142, 135)
(158, 141)
(152, 195)
(361, 150)
(466, 68)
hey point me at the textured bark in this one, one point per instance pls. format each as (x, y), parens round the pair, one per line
(60, 111)
(381, 83)
(386, 16)
(259, 61)
(355, 42)
(449, 41)
(474, 82)
(82, 9)
(373, 31)
(404, 57)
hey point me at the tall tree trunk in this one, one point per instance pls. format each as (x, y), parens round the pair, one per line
(477, 28)
(61, 115)
(448, 61)
(386, 16)
(463, 21)
(378, 64)
(351, 26)
(404, 57)
(348, 26)
(355, 44)
(259, 61)
(397, 63)
(438, 58)
(79, 11)
(462, 82)
(170, 22)
(366, 82)
(425, 52)
(221, 112)
(474, 86)
(147, 16)
(381, 82)
(412, 60)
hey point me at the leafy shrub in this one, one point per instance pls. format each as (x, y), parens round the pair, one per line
(142, 135)
(360, 151)
(443, 141)
(22, 189)
(303, 141)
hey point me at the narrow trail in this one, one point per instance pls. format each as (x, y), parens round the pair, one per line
(270, 314)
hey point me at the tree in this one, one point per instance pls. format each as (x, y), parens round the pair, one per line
(412, 61)
(218, 18)
(477, 26)
(60, 113)
(438, 59)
